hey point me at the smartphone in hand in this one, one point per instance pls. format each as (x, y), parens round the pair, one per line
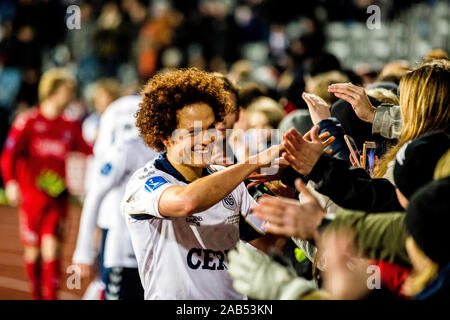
(353, 149)
(368, 159)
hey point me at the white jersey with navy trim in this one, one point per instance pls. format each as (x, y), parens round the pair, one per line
(183, 257)
(114, 170)
(117, 123)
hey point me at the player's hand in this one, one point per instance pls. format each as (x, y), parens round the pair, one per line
(258, 276)
(277, 167)
(280, 164)
(266, 157)
(301, 154)
(13, 193)
(280, 189)
(318, 108)
(85, 270)
(290, 218)
(357, 97)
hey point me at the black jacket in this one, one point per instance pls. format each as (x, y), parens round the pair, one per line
(349, 187)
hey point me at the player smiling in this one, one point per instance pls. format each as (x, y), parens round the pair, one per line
(183, 213)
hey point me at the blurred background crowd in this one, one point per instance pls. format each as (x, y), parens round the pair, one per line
(275, 43)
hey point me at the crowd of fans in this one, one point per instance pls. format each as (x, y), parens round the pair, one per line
(364, 171)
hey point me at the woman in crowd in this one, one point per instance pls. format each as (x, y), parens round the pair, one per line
(396, 240)
(424, 103)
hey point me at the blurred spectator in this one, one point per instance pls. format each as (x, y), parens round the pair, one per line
(435, 54)
(318, 84)
(383, 95)
(393, 71)
(104, 92)
(263, 115)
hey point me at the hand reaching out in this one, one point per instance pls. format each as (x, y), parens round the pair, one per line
(290, 218)
(280, 164)
(266, 157)
(357, 97)
(301, 154)
(318, 108)
(280, 189)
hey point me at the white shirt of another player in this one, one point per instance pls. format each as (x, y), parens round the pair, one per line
(116, 123)
(183, 257)
(114, 170)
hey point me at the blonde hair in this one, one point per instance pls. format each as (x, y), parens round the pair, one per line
(318, 84)
(383, 95)
(435, 54)
(270, 108)
(394, 71)
(110, 85)
(417, 280)
(51, 80)
(424, 105)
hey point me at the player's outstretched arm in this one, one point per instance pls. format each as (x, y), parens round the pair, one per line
(205, 192)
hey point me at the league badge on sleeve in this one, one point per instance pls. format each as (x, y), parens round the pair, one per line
(154, 183)
(106, 169)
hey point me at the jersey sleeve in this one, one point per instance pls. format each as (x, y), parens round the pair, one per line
(250, 227)
(14, 147)
(106, 173)
(143, 194)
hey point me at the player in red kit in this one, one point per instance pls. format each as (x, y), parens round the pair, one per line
(33, 168)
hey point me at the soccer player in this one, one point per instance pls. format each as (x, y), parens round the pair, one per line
(183, 213)
(115, 168)
(117, 124)
(33, 168)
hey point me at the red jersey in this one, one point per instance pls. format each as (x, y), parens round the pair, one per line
(36, 149)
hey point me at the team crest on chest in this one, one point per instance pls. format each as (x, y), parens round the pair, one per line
(229, 202)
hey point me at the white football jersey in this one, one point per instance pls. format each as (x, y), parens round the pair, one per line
(90, 127)
(117, 123)
(185, 257)
(114, 168)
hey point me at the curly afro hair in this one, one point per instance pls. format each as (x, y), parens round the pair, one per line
(166, 93)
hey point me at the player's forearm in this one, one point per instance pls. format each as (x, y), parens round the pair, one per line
(208, 191)
(205, 192)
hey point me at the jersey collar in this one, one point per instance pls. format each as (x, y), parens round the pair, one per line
(161, 163)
